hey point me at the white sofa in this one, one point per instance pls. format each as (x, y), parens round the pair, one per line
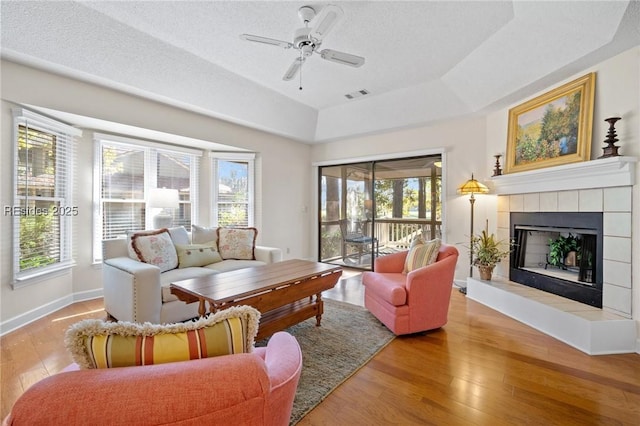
(139, 292)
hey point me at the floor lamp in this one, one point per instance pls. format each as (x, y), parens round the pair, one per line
(472, 187)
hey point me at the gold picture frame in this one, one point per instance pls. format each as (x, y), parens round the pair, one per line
(553, 128)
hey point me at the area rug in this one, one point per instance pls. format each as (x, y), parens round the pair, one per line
(347, 339)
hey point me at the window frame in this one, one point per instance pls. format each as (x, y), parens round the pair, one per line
(249, 158)
(151, 151)
(66, 139)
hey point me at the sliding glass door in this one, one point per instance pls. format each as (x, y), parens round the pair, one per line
(346, 213)
(375, 208)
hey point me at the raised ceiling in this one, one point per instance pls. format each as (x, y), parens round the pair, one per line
(426, 61)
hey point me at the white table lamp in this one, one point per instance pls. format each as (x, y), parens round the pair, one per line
(163, 198)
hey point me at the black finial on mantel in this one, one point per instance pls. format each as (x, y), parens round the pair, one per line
(497, 171)
(611, 150)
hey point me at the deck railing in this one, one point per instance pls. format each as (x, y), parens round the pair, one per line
(398, 233)
(391, 235)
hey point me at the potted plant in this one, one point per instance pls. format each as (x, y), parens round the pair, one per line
(487, 252)
(560, 248)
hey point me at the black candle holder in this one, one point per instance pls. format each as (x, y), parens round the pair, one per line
(497, 171)
(611, 150)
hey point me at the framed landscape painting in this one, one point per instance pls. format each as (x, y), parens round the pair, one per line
(552, 129)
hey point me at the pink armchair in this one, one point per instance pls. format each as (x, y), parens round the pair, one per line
(417, 301)
(243, 389)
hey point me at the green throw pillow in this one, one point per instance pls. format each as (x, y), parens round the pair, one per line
(197, 255)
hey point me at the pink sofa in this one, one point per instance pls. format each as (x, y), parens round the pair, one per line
(243, 389)
(417, 301)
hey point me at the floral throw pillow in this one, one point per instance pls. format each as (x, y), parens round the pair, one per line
(237, 243)
(179, 235)
(156, 248)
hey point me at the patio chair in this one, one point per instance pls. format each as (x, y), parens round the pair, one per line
(357, 238)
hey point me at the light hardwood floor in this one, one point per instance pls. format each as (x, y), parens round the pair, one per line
(482, 368)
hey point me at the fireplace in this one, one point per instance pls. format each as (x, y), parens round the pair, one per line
(575, 274)
(601, 188)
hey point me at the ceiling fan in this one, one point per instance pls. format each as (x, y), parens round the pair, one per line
(309, 38)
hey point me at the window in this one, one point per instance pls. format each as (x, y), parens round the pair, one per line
(125, 171)
(233, 195)
(43, 189)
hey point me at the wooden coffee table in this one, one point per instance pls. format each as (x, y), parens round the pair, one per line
(285, 293)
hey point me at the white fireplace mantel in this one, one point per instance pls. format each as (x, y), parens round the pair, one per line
(602, 173)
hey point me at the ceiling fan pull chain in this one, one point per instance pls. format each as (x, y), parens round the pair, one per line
(301, 63)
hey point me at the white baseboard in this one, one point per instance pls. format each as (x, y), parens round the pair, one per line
(87, 295)
(47, 309)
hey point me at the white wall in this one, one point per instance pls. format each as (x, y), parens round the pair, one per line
(471, 144)
(463, 142)
(617, 94)
(282, 180)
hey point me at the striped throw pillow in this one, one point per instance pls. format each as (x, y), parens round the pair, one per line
(100, 344)
(421, 254)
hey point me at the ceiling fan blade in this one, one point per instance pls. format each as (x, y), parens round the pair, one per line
(293, 69)
(266, 40)
(342, 58)
(325, 21)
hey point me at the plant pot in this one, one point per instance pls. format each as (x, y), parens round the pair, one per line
(571, 259)
(485, 272)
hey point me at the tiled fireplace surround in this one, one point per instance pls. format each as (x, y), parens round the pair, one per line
(596, 186)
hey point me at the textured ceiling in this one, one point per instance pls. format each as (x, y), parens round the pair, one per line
(425, 61)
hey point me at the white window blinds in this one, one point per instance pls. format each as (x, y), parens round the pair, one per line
(125, 171)
(180, 171)
(122, 189)
(43, 209)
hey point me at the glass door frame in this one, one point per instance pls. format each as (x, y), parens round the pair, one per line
(372, 220)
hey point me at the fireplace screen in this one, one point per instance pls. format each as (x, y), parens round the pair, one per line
(566, 253)
(560, 253)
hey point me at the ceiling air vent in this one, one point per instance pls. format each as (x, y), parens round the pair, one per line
(356, 94)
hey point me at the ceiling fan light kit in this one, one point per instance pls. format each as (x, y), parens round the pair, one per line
(309, 38)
